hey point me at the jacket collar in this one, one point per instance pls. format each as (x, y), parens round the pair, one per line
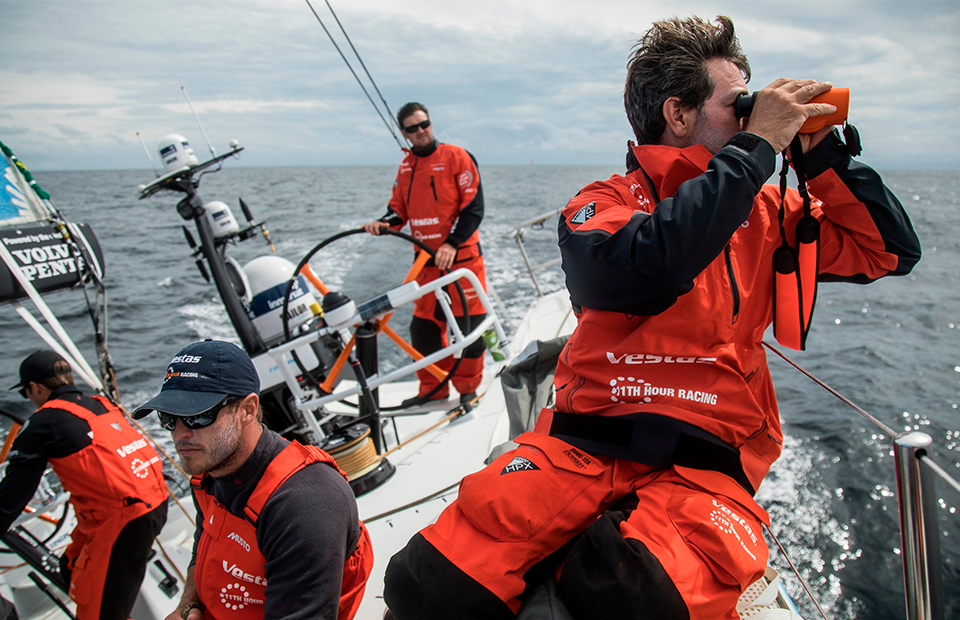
(425, 151)
(668, 166)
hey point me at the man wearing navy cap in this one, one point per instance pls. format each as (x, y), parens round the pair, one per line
(269, 510)
(114, 477)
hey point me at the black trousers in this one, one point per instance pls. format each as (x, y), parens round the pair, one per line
(128, 564)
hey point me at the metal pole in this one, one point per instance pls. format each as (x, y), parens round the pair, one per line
(252, 343)
(368, 366)
(918, 528)
(526, 260)
(367, 353)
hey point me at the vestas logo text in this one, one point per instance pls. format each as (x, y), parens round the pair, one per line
(236, 538)
(186, 359)
(646, 358)
(424, 221)
(236, 572)
(132, 447)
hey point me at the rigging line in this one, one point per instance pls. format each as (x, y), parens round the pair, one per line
(357, 54)
(886, 429)
(796, 572)
(357, 77)
(925, 458)
(169, 559)
(929, 462)
(414, 503)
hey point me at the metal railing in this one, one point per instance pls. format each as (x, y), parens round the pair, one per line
(918, 527)
(517, 235)
(916, 494)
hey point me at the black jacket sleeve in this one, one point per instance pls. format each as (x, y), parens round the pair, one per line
(391, 217)
(646, 264)
(870, 208)
(470, 216)
(307, 530)
(49, 433)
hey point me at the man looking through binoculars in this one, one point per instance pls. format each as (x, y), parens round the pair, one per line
(641, 478)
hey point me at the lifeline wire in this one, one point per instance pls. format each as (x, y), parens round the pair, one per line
(357, 77)
(925, 458)
(886, 429)
(929, 462)
(357, 54)
(796, 572)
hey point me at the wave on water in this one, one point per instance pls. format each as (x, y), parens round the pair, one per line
(208, 320)
(799, 503)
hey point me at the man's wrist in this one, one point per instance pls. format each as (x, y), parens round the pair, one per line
(185, 612)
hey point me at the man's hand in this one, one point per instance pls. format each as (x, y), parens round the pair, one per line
(189, 599)
(194, 614)
(374, 228)
(782, 108)
(810, 140)
(445, 256)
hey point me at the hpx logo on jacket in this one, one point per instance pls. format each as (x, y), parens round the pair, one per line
(519, 464)
(584, 214)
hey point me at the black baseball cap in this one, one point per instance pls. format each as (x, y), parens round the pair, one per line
(39, 366)
(200, 376)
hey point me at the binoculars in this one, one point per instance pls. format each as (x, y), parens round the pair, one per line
(839, 97)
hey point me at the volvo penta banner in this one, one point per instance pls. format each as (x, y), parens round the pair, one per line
(44, 258)
(19, 199)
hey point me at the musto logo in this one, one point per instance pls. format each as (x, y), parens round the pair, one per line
(634, 390)
(235, 596)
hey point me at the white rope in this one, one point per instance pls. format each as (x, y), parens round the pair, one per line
(78, 361)
(53, 344)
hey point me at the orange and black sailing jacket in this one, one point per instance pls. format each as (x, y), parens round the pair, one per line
(440, 196)
(670, 271)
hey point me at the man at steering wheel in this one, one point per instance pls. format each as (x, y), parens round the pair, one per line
(438, 193)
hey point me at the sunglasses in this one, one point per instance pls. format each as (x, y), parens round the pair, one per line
(23, 392)
(168, 421)
(413, 128)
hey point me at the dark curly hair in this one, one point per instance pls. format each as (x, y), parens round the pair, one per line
(669, 62)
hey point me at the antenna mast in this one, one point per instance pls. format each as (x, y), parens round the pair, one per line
(190, 103)
(156, 173)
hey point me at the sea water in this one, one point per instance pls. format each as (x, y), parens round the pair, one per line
(891, 346)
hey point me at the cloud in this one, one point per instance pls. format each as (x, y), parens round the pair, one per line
(512, 81)
(6, 131)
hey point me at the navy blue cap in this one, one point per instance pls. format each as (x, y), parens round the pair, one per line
(200, 376)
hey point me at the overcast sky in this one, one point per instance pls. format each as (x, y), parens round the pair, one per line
(513, 81)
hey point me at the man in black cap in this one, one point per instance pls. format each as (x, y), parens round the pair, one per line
(114, 477)
(270, 511)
